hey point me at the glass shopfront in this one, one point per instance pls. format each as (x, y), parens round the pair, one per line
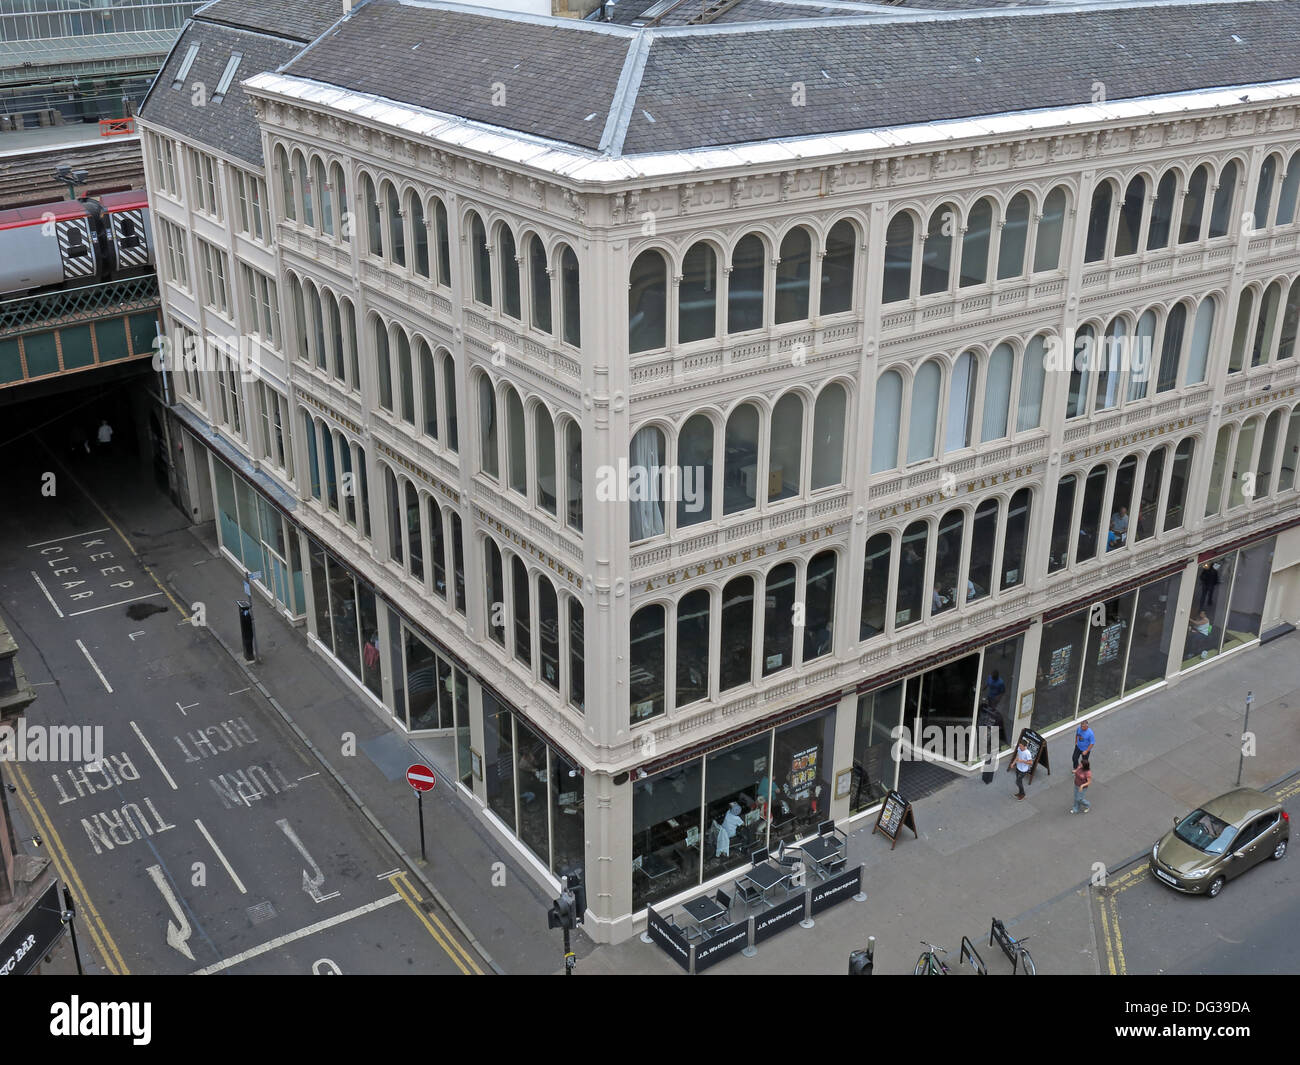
(1227, 609)
(1059, 656)
(259, 537)
(874, 768)
(1154, 630)
(1109, 627)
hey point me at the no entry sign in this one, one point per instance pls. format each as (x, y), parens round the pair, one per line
(420, 777)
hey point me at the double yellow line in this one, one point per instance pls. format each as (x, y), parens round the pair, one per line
(464, 961)
(93, 922)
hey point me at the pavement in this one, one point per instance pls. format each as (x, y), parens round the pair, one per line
(980, 853)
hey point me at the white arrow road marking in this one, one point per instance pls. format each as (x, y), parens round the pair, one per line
(176, 937)
(310, 884)
(133, 635)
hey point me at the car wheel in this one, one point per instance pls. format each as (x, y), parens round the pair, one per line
(1279, 852)
(1215, 887)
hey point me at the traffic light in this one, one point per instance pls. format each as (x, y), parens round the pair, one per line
(561, 912)
(862, 962)
(579, 892)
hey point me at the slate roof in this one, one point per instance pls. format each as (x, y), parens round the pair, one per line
(299, 20)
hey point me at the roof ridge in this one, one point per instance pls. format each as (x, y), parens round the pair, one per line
(625, 93)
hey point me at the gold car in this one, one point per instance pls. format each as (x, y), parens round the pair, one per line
(1221, 840)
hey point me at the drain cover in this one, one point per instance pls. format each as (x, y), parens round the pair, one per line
(263, 911)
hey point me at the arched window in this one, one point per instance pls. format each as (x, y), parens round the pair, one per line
(1098, 223)
(875, 585)
(299, 316)
(419, 233)
(1267, 455)
(1290, 320)
(1179, 475)
(778, 618)
(1199, 353)
(573, 475)
(1085, 357)
(331, 470)
(509, 272)
(695, 477)
(1290, 452)
(646, 664)
(323, 196)
(414, 538)
(1015, 539)
(516, 443)
(645, 500)
(1110, 365)
(647, 302)
(1090, 517)
(837, 268)
(428, 392)
(392, 495)
(936, 254)
(1241, 466)
(1015, 238)
(1214, 498)
(740, 480)
(317, 325)
(947, 562)
(444, 242)
(897, 282)
(693, 647)
(286, 184)
(334, 331)
(350, 344)
(1266, 327)
(828, 437)
(697, 295)
(975, 244)
(997, 393)
(383, 365)
(577, 666)
(1171, 347)
(911, 575)
(1241, 331)
(396, 231)
(374, 223)
(1051, 227)
(745, 295)
(452, 436)
(923, 420)
(961, 403)
(1149, 502)
(487, 428)
(570, 298)
(1264, 192)
(1162, 212)
(480, 260)
(1224, 195)
(1058, 555)
(349, 489)
(523, 614)
(1129, 230)
(544, 457)
(793, 273)
(540, 289)
(1033, 374)
(785, 448)
(1286, 200)
(1121, 502)
(496, 592)
(548, 633)
(1140, 356)
(406, 377)
(819, 612)
(1189, 224)
(339, 192)
(737, 653)
(886, 424)
(304, 184)
(313, 458)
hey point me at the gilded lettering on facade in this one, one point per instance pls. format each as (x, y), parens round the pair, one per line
(733, 558)
(547, 560)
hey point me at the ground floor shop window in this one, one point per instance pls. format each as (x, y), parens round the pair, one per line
(943, 698)
(736, 794)
(874, 767)
(1154, 629)
(1060, 657)
(1109, 627)
(1209, 610)
(1249, 589)
(666, 833)
(499, 759)
(801, 776)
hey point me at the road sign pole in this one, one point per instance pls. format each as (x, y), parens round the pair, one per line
(1245, 728)
(419, 800)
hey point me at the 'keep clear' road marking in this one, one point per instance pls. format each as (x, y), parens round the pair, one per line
(302, 933)
(154, 755)
(97, 670)
(217, 851)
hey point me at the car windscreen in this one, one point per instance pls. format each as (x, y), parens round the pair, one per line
(1206, 832)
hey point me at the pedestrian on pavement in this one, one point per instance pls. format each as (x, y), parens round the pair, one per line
(1082, 781)
(1084, 738)
(105, 436)
(1022, 764)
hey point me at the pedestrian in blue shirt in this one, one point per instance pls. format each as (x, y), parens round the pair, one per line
(1084, 738)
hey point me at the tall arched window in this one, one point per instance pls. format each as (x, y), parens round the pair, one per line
(828, 437)
(570, 297)
(287, 203)
(487, 428)
(1267, 455)
(975, 244)
(405, 377)
(693, 647)
(414, 537)
(299, 316)
(1179, 475)
(323, 197)
(1286, 199)
(923, 420)
(645, 500)
(419, 233)
(947, 562)
(304, 184)
(646, 663)
(544, 457)
(428, 392)
(1171, 348)
(745, 295)
(1241, 331)
(936, 254)
(1264, 192)
(785, 448)
(1149, 501)
(1129, 230)
(509, 272)
(540, 285)
(837, 268)
(393, 497)
(1051, 227)
(1290, 320)
(350, 345)
(997, 393)
(493, 572)
(1090, 515)
(1098, 223)
(516, 443)
(911, 595)
(1189, 223)
(1266, 326)
(1224, 197)
(793, 274)
(334, 320)
(819, 612)
(1085, 356)
(1058, 555)
(548, 633)
(1033, 374)
(740, 479)
(1214, 498)
(383, 365)
(313, 457)
(317, 314)
(1116, 534)
(697, 295)
(1111, 363)
(452, 435)
(887, 422)
(778, 618)
(875, 585)
(1199, 354)
(444, 242)
(1241, 465)
(647, 302)
(522, 611)
(480, 260)
(339, 192)
(573, 475)
(1162, 212)
(1290, 452)
(983, 539)
(695, 464)
(962, 383)
(396, 231)
(736, 660)
(1015, 539)
(897, 282)
(1015, 238)
(374, 221)
(1140, 363)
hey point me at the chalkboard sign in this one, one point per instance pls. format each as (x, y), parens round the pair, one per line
(894, 815)
(1037, 747)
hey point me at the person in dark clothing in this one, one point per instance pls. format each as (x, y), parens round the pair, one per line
(1209, 578)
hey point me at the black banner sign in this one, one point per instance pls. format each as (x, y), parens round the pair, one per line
(670, 938)
(778, 918)
(26, 946)
(721, 944)
(836, 889)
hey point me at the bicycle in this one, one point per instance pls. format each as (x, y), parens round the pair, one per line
(1026, 963)
(929, 963)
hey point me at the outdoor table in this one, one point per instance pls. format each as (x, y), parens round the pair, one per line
(820, 851)
(704, 909)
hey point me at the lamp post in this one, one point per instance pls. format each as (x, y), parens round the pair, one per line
(1245, 729)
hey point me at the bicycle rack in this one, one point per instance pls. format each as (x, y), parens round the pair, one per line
(998, 933)
(968, 951)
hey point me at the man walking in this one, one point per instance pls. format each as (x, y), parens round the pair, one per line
(105, 436)
(1023, 763)
(1083, 741)
(1082, 781)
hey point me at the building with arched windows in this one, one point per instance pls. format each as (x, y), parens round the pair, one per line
(657, 412)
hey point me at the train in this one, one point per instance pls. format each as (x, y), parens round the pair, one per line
(70, 243)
